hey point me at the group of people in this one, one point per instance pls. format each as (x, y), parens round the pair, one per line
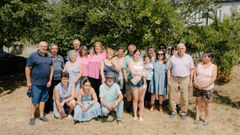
(93, 84)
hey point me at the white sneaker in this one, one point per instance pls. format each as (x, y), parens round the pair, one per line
(70, 117)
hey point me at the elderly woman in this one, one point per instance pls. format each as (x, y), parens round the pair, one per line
(204, 77)
(63, 97)
(74, 69)
(137, 84)
(87, 106)
(110, 65)
(95, 61)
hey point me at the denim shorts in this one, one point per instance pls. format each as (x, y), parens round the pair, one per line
(138, 85)
(39, 94)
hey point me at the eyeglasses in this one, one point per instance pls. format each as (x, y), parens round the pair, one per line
(161, 47)
(160, 54)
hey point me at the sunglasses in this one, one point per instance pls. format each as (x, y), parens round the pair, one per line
(160, 54)
(162, 47)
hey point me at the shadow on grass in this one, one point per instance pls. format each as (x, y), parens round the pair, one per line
(225, 100)
(9, 83)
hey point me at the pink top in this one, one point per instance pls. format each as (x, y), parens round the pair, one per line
(85, 65)
(95, 65)
(181, 66)
(204, 75)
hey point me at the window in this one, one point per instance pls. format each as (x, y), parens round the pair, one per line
(219, 14)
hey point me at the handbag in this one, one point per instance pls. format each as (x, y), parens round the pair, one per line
(29, 92)
(135, 79)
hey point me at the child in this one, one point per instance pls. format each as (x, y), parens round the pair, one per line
(148, 71)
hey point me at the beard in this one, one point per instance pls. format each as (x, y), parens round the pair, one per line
(109, 83)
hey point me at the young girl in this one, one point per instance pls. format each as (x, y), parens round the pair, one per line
(158, 85)
(148, 71)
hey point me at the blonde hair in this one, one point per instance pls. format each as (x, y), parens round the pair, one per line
(76, 41)
(97, 43)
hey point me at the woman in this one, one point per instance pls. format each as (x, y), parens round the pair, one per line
(95, 61)
(87, 106)
(137, 84)
(84, 60)
(204, 77)
(110, 65)
(74, 69)
(158, 85)
(63, 97)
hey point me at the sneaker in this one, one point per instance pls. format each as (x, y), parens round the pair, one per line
(119, 122)
(70, 117)
(32, 121)
(44, 119)
(196, 122)
(183, 117)
(205, 123)
(172, 115)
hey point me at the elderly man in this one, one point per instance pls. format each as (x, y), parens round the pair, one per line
(58, 64)
(39, 72)
(111, 97)
(76, 47)
(180, 77)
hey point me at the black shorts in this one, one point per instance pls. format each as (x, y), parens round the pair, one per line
(206, 94)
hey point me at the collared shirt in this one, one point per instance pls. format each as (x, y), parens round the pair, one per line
(109, 94)
(40, 65)
(181, 66)
(58, 64)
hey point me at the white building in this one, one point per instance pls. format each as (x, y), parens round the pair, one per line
(223, 8)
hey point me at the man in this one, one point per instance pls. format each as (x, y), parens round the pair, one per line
(76, 47)
(39, 72)
(180, 75)
(111, 97)
(126, 72)
(58, 64)
(119, 58)
(151, 53)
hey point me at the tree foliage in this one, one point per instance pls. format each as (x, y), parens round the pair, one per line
(18, 18)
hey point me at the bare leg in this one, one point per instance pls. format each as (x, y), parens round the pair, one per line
(141, 102)
(41, 109)
(160, 99)
(34, 108)
(198, 105)
(207, 110)
(135, 102)
(71, 106)
(153, 98)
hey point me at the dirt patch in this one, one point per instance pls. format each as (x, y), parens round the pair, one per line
(15, 114)
(14, 119)
(229, 93)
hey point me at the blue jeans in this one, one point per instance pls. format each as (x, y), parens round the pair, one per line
(118, 110)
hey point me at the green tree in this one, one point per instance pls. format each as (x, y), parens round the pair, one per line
(18, 18)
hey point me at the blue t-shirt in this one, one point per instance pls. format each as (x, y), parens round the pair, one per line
(40, 68)
(58, 64)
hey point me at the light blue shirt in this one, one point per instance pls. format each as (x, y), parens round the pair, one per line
(109, 94)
